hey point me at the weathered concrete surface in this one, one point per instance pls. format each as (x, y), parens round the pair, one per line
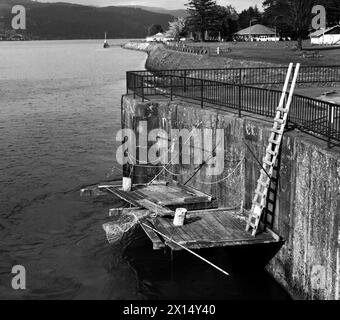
(308, 203)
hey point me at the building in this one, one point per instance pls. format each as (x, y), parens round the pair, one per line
(159, 37)
(330, 36)
(257, 32)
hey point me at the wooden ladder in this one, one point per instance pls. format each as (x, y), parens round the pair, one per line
(272, 152)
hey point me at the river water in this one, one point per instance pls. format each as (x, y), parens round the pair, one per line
(60, 112)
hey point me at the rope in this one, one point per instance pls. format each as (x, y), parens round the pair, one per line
(225, 178)
(185, 248)
(155, 178)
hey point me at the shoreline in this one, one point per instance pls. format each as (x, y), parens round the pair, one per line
(240, 55)
(160, 58)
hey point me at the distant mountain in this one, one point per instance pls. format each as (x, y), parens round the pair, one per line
(176, 13)
(72, 21)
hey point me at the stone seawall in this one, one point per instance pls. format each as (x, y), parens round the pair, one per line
(160, 58)
(308, 203)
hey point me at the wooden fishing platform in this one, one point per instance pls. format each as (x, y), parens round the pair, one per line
(160, 197)
(205, 226)
(205, 229)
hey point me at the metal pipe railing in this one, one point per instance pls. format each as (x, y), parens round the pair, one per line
(316, 117)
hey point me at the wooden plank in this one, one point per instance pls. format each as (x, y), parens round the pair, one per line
(165, 226)
(157, 243)
(154, 207)
(121, 195)
(145, 203)
(173, 195)
(214, 229)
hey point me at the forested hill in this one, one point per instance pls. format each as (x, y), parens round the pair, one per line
(70, 21)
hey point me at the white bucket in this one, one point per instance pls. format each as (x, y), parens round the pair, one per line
(127, 184)
(180, 217)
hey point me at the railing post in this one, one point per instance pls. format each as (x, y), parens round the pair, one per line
(142, 86)
(330, 123)
(239, 101)
(202, 93)
(240, 94)
(171, 92)
(127, 82)
(134, 86)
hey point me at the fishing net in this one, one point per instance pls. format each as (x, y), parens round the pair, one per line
(124, 220)
(235, 187)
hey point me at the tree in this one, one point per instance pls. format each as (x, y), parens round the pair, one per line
(202, 16)
(154, 29)
(333, 11)
(177, 28)
(228, 19)
(295, 16)
(252, 13)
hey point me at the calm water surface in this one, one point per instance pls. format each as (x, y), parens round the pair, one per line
(60, 112)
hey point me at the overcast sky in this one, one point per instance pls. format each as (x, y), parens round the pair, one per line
(166, 4)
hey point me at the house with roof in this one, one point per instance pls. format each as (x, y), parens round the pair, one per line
(257, 32)
(159, 37)
(329, 36)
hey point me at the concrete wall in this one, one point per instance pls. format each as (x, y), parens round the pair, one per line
(308, 203)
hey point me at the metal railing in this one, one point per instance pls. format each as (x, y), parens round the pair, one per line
(256, 76)
(319, 118)
(198, 50)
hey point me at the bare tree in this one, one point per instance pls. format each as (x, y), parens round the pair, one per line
(296, 15)
(176, 28)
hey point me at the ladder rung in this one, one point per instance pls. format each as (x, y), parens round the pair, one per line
(259, 204)
(271, 152)
(273, 141)
(280, 121)
(268, 157)
(285, 110)
(277, 131)
(267, 173)
(251, 222)
(259, 193)
(268, 163)
(264, 183)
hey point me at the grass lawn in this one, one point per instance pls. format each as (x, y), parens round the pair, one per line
(281, 52)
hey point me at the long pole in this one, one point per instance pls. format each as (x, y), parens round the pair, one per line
(250, 22)
(186, 249)
(275, 32)
(249, 29)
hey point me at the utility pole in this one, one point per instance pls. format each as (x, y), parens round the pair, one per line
(275, 19)
(250, 22)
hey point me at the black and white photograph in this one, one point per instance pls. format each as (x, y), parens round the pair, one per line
(170, 155)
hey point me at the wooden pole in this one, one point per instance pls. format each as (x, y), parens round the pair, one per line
(186, 249)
